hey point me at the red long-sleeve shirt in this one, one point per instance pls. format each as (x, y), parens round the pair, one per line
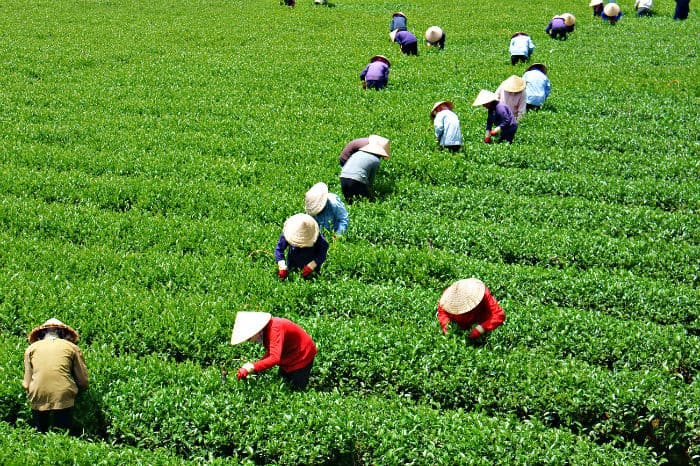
(488, 313)
(287, 345)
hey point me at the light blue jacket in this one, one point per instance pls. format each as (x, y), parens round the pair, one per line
(521, 45)
(362, 167)
(537, 87)
(447, 129)
(333, 217)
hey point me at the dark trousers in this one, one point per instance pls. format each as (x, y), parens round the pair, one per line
(529, 107)
(376, 85)
(352, 189)
(644, 12)
(558, 33)
(299, 378)
(508, 134)
(451, 148)
(62, 419)
(517, 58)
(682, 9)
(410, 49)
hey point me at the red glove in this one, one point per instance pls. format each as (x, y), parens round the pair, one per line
(282, 273)
(242, 374)
(444, 329)
(487, 139)
(306, 271)
(493, 132)
(474, 333)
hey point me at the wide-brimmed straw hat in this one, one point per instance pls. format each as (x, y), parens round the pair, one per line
(53, 324)
(520, 33)
(513, 84)
(446, 103)
(611, 9)
(380, 58)
(462, 296)
(595, 2)
(248, 324)
(378, 146)
(569, 19)
(316, 198)
(537, 66)
(398, 13)
(392, 35)
(484, 97)
(433, 34)
(300, 230)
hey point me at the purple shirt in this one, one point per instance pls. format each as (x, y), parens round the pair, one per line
(556, 23)
(297, 258)
(404, 37)
(350, 148)
(500, 115)
(375, 71)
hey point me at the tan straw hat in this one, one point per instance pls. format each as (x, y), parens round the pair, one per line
(378, 146)
(569, 19)
(316, 198)
(595, 2)
(433, 34)
(446, 103)
(537, 66)
(380, 58)
(398, 13)
(462, 296)
(484, 97)
(52, 324)
(300, 230)
(392, 34)
(513, 84)
(248, 324)
(611, 9)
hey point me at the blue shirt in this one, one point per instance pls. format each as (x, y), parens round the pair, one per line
(537, 87)
(361, 166)
(297, 258)
(333, 217)
(398, 22)
(447, 129)
(521, 45)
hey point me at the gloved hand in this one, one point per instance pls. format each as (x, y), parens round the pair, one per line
(494, 132)
(487, 140)
(282, 273)
(245, 371)
(306, 271)
(476, 332)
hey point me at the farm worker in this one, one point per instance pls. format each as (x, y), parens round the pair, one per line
(469, 302)
(376, 74)
(407, 41)
(643, 7)
(326, 208)
(446, 123)
(286, 345)
(435, 37)
(307, 246)
(350, 148)
(537, 86)
(521, 47)
(611, 13)
(569, 21)
(597, 7)
(512, 93)
(556, 28)
(357, 175)
(54, 372)
(682, 9)
(500, 120)
(398, 21)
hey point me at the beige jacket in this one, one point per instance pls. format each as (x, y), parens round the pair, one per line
(54, 368)
(516, 101)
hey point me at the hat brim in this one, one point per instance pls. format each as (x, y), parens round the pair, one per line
(484, 98)
(248, 325)
(380, 58)
(71, 334)
(446, 103)
(375, 149)
(537, 66)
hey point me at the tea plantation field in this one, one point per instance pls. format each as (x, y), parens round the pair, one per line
(150, 152)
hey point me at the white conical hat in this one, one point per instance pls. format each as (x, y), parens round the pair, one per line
(392, 34)
(433, 34)
(462, 296)
(513, 84)
(569, 19)
(316, 198)
(595, 2)
(378, 146)
(448, 103)
(248, 324)
(300, 230)
(611, 9)
(484, 97)
(53, 323)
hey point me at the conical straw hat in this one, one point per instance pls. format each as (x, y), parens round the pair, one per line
(448, 103)
(53, 324)
(378, 146)
(484, 97)
(248, 324)
(433, 34)
(513, 84)
(611, 9)
(392, 35)
(462, 296)
(569, 19)
(316, 198)
(300, 230)
(538, 66)
(380, 58)
(595, 2)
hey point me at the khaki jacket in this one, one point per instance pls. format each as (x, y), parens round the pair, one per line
(54, 368)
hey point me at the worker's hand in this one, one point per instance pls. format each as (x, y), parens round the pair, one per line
(444, 329)
(476, 332)
(241, 374)
(282, 273)
(495, 131)
(487, 140)
(308, 268)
